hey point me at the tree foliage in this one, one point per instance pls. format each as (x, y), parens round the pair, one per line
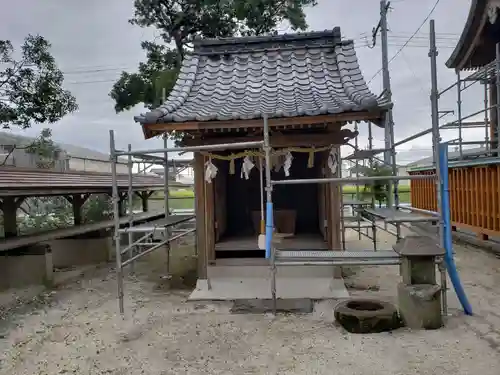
(31, 87)
(379, 189)
(44, 149)
(179, 22)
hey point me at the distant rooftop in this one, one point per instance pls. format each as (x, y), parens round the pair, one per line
(8, 138)
(426, 162)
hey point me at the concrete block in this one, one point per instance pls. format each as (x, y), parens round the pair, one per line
(421, 270)
(337, 272)
(28, 266)
(420, 306)
(262, 306)
(418, 246)
(79, 252)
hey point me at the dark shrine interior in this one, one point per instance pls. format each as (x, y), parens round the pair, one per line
(243, 196)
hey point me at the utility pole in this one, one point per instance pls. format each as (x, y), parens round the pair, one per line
(386, 80)
(390, 151)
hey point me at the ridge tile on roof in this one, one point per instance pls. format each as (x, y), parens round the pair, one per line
(290, 75)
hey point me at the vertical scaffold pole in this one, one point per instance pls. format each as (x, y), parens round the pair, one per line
(358, 198)
(342, 213)
(374, 227)
(270, 253)
(130, 204)
(165, 178)
(496, 143)
(116, 219)
(262, 215)
(436, 139)
(486, 115)
(459, 114)
(166, 198)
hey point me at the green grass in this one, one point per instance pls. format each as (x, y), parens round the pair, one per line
(403, 190)
(184, 198)
(179, 198)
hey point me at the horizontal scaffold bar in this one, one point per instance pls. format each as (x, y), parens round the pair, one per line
(340, 262)
(222, 146)
(422, 211)
(156, 246)
(351, 180)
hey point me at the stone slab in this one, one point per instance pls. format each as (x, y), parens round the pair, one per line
(80, 252)
(420, 306)
(262, 306)
(418, 246)
(234, 288)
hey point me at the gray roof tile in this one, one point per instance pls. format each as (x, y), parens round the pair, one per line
(282, 76)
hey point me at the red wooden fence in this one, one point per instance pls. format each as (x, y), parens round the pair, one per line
(474, 197)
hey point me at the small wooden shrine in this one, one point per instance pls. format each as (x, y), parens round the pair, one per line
(310, 86)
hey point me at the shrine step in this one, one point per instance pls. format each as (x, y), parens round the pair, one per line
(340, 258)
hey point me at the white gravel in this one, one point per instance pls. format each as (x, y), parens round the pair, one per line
(79, 332)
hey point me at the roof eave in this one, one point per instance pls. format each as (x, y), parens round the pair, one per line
(153, 129)
(472, 28)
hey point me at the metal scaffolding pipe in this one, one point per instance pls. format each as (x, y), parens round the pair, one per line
(116, 218)
(465, 125)
(374, 227)
(448, 88)
(468, 143)
(445, 126)
(165, 178)
(160, 244)
(436, 139)
(357, 186)
(478, 112)
(459, 114)
(410, 208)
(137, 242)
(497, 140)
(130, 204)
(349, 180)
(221, 146)
(342, 262)
(486, 114)
(412, 137)
(270, 251)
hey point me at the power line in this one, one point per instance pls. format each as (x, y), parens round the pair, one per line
(409, 39)
(74, 72)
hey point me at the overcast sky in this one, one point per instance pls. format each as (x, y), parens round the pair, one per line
(93, 42)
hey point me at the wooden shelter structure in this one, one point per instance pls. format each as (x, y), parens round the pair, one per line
(309, 86)
(474, 176)
(477, 50)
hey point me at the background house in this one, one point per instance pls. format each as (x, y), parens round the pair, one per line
(452, 156)
(69, 158)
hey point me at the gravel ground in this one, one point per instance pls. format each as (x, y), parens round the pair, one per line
(76, 330)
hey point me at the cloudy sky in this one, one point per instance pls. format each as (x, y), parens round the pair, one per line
(93, 42)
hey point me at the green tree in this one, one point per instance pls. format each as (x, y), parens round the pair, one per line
(31, 92)
(378, 189)
(31, 87)
(43, 147)
(179, 22)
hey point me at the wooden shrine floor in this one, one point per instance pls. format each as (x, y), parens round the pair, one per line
(297, 242)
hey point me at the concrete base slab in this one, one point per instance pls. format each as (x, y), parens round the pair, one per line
(262, 306)
(203, 285)
(79, 252)
(234, 288)
(31, 266)
(260, 268)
